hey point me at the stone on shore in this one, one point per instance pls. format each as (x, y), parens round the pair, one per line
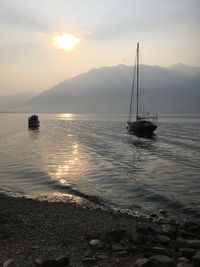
(114, 235)
(196, 259)
(187, 243)
(192, 227)
(183, 260)
(184, 264)
(16, 263)
(117, 247)
(143, 262)
(162, 261)
(187, 252)
(95, 243)
(170, 230)
(9, 263)
(89, 262)
(62, 261)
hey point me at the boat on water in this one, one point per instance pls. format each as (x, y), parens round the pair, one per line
(144, 124)
(33, 122)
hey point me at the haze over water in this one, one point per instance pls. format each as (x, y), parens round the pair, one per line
(92, 155)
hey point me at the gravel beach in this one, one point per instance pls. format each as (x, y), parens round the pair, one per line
(33, 233)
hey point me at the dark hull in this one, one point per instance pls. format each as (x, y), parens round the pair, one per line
(33, 122)
(142, 129)
(33, 125)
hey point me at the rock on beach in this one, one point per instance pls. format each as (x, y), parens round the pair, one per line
(57, 234)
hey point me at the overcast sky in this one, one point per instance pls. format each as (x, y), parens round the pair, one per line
(168, 31)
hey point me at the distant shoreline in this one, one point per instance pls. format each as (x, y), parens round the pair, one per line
(99, 114)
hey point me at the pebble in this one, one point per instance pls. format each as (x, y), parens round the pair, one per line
(164, 239)
(115, 235)
(186, 243)
(187, 252)
(95, 243)
(195, 243)
(117, 247)
(162, 261)
(184, 264)
(63, 261)
(101, 256)
(196, 259)
(192, 227)
(50, 263)
(183, 260)
(89, 261)
(9, 263)
(89, 253)
(145, 229)
(143, 262)
(161, 211)
(170, 230)
(121, 253)
(16, 263)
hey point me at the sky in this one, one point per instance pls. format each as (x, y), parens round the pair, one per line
(108, 30)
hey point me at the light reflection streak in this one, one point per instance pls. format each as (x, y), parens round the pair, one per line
(67, 116)
(71, 163)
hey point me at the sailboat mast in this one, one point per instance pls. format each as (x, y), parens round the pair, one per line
(137, 81)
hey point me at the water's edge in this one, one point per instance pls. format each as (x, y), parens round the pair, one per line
(94, 202)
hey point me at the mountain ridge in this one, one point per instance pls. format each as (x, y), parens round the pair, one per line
(185, 68)
(107, 90)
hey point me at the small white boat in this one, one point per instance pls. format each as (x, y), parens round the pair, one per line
(33, 122)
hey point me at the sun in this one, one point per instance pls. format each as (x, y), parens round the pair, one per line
(65, 41)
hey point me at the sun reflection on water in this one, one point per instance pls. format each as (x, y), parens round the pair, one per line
(67, 116)
(68, 164)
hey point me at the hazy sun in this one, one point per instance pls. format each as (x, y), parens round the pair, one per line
(65, 41)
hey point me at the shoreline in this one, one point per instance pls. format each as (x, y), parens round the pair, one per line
(91, 201)
(94, 202)
(32, 229)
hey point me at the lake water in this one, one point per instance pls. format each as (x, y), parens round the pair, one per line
(93, 155)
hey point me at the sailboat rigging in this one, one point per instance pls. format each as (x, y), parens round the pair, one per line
(144, 124)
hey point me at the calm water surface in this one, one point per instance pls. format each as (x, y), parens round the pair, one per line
(92, 155)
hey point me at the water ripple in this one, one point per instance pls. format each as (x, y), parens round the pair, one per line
(96, 158)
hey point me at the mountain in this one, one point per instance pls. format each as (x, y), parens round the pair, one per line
(185, 68)
(17, 102)
(107, 90)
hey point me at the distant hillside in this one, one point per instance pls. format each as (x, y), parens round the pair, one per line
(107, 90)
(17, 102)
(186, 69)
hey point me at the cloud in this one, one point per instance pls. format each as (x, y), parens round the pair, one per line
(14, 17)
(116, 19)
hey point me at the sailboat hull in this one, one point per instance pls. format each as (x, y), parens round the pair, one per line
(143, 128)
(143, 124)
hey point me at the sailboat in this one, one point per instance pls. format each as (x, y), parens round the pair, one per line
(143, 125)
